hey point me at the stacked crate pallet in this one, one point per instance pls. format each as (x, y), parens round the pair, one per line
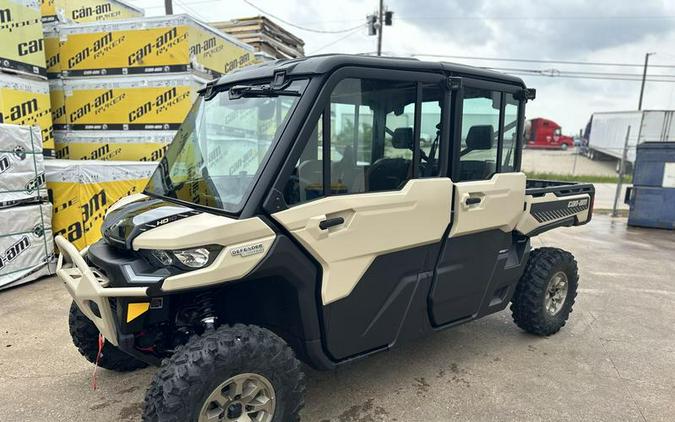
(270, 40)
(26, 245)
(24, 91)
(119, 91)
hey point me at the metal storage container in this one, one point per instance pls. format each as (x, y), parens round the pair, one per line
(652, 198)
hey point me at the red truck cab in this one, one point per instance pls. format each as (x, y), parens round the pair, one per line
(546, 134)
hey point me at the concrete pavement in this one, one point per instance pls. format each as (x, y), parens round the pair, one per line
(614, 361)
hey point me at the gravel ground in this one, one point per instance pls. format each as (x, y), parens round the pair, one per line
(614, 361)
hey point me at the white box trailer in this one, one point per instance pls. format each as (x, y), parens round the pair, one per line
(608, 131)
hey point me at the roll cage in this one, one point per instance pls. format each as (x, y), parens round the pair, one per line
(325, 72)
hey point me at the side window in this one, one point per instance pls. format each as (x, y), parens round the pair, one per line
(480, 133)
(510, 133)
(306, 181)
(372, 139)
(372, 127)
(430, 130)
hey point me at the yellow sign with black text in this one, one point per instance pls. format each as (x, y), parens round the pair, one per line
(52, 54)
(25, 101)
(82, 192)
(132, 103)
(84, 11)
(112, 146)
(58, 103)
(153, 45)
(21, 43)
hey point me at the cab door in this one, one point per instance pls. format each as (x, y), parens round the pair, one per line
(365, 198)
(479, 261)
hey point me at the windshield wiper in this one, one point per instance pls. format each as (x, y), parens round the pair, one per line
(251, 91)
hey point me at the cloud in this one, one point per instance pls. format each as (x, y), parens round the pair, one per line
(583, 30)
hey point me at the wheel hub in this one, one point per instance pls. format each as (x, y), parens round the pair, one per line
(556, 293)
(241, 398)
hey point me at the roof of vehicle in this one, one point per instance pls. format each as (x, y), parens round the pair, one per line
(315, 65)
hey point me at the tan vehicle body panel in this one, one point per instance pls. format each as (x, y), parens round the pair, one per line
(375, 224)
(528, 223)
(501, 205)
(209, 229)
(125, 200)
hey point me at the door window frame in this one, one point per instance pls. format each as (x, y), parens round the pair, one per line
(321, 107)
(458, 112)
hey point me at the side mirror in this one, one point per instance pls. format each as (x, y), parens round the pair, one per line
(527, 94)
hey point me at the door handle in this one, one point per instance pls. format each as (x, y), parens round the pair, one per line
(472, 200)
(331, 222)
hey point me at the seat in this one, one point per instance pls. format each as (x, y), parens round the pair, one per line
(390, 173)
(479, 138)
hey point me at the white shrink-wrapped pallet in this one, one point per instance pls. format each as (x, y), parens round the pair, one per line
(22, 170)
(26, 244)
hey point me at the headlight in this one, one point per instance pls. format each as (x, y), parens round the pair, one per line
(185, 259)
(193, 258)
(163, 257)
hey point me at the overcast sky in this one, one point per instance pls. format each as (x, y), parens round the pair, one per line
(614, 31)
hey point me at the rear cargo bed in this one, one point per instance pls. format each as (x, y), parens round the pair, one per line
(550, 204)
(538, 187)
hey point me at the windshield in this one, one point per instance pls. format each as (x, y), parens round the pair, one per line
(218, 151)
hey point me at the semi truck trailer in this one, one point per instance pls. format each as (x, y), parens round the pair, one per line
(607, 132)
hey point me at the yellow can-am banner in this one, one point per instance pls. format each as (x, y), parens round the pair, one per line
(130, 103)
(149, 46)
(112, 146)
(83, 11)
(52, 53)
(21, 43)
(58, 102)
(25, 101)
(82, 192)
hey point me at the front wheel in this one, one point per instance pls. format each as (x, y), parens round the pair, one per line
(563, 147)
(545, 294)
(238, 373)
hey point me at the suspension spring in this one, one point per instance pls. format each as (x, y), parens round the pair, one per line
(207, 314)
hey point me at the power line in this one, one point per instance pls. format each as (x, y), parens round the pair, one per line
(608, 78)
(304, 28)
(582, 63)
(349, 34)
(556, 72)
(561, 18)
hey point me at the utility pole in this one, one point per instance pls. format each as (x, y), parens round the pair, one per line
(644, 79)
(622, 169)
(168, 7)
(376, 23)
(380, 28)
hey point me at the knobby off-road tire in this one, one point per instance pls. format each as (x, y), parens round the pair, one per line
(180, 389)
(546, 268)
(85, 337)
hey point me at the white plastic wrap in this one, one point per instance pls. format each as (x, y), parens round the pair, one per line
(26, 244)
(22, 171)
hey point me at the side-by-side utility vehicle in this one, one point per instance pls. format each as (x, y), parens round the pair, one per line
(320, 210)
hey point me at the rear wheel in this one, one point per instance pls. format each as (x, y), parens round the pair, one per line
(85, 337)
(238, 373)
(545, 293)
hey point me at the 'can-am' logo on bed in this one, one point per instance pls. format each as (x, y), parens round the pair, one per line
(248, 250)
(577, 203)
